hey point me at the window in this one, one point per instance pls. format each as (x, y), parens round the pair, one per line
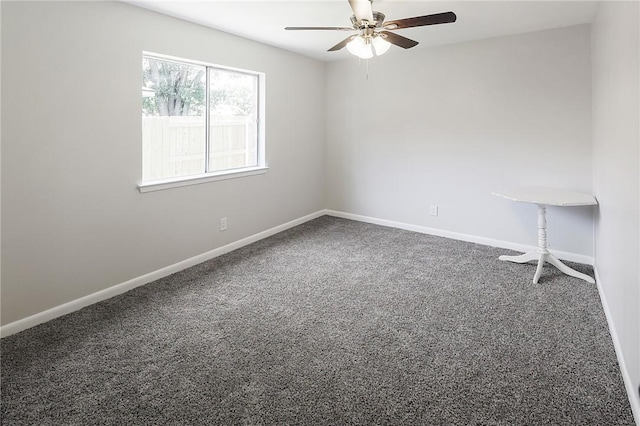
(199, 122)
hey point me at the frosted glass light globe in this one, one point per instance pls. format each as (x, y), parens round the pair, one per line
(380, 45)
(359, 47)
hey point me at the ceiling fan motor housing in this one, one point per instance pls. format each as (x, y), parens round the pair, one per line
(378, 19)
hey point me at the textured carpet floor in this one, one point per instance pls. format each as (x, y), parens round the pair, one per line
(331, 322)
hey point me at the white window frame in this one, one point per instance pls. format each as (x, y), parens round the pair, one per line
(261, 168)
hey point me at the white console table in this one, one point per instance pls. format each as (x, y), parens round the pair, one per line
(544, 197)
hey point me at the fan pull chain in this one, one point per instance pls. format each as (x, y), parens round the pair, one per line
(366, 67)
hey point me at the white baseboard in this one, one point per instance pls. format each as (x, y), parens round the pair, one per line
(564, 255)
(634, 398)
(117, 289)
(77, 304)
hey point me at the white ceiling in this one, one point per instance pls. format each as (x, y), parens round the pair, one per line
(264, 20)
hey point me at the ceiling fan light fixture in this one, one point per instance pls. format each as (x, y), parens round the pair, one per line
(359, 47)
(365, 47)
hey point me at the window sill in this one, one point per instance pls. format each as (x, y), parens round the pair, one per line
(161, 184)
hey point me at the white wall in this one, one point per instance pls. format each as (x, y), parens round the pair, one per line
(616, 150)
(449, 125)
(73, 221)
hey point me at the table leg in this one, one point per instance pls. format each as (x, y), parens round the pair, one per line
(536, 276)
(569, 271)
(542, 253)
(523, 258)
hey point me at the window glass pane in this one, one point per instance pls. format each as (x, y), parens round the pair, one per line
(233, 136)
(173, 119)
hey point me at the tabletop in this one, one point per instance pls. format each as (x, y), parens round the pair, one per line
(547, 196)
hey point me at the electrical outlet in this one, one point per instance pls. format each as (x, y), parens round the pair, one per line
(223, 224)
(434, 210)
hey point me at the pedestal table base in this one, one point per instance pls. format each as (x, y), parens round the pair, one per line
(542, 253)
(546, 257)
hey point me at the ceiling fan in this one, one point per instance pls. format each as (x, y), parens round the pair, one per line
(374, 36)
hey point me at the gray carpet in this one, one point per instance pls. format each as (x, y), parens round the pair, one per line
(331, 322)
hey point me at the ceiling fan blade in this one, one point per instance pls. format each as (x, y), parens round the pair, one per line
(420, 21)
(320, 28)
(362, 10)
(343, 43)
(399, 40)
